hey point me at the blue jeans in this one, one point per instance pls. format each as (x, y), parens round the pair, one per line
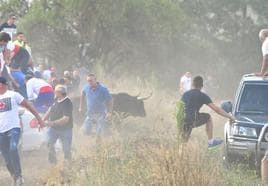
(99, 119)
(65, 135)
(8, 145)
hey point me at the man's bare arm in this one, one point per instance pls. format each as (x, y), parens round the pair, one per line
(7, 56)
(61, 121)
(264, 69)
(28, 106)
(181, 88)
(220, 111)
(46, 115)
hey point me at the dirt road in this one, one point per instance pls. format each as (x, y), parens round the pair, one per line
(34, 167)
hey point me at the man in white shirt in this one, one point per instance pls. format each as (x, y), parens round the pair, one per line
(10, 128)
(185, 83)
(263, 34)
(39, 92)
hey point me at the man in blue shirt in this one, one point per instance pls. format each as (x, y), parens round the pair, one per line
(99, 105)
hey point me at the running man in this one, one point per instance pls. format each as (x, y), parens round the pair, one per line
(99, 105)
(10, 128)
(194, 99)
(59, 119)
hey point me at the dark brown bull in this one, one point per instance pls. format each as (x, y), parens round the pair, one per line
(128, 105)
(124, 105)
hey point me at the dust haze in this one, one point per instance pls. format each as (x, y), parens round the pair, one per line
(142, 47)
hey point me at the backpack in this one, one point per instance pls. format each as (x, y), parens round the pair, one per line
(180, 113)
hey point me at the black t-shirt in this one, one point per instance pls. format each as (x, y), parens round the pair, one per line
(194, 99)
(21, 60)
(60, 109)
(10, 29)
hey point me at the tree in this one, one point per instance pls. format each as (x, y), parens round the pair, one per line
(109, 31)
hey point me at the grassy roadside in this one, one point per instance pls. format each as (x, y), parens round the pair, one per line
(145, 151)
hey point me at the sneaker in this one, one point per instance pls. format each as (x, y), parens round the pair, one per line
(215, 143)
(19, 181)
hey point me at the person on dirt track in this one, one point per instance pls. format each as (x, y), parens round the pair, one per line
(194, 99)
(185, 82)
(99, 105)
(59, 119)
(10, 128)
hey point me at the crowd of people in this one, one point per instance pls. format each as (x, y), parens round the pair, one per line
(44, 93)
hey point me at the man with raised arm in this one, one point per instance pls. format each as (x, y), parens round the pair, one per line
(10, 128)
(193, 100)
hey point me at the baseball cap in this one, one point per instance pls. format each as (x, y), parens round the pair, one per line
(3, 81)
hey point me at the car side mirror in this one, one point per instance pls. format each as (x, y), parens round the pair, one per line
(227, 106)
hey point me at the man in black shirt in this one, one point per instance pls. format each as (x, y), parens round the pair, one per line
(194, 99)
(59, 119)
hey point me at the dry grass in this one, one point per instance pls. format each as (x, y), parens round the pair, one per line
(140, 162)
(146, 152)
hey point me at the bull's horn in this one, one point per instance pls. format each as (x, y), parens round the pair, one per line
(145, 98)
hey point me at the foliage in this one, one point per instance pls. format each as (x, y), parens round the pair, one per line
(107, 32)
(152, 36)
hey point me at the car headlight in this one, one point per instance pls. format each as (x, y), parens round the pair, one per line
(244, 131)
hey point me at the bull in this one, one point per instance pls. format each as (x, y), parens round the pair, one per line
(124, 105)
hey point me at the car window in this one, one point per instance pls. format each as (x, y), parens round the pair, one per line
(254, 99)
